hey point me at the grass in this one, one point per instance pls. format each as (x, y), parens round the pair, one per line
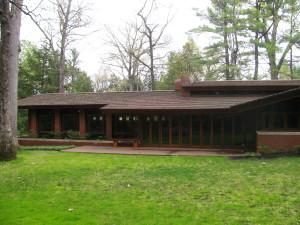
(57, 188)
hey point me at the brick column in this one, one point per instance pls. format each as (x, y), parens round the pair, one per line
(82, 124)
(108, 126)
(57, 122)
(33, 127)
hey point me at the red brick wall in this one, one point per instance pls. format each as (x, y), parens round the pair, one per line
(280, 141)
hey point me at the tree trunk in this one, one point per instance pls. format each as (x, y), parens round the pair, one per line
(151, 54)
(255, 77)
(227, 63)
(291, 64)
(9, 48)
(62, 70)
(64, 23)
(291, 50)
(273, 67)
(256, 51)
(13, 68)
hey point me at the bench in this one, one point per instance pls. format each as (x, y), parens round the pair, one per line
(132, 141)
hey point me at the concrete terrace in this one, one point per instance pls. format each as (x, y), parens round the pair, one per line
(155, 151)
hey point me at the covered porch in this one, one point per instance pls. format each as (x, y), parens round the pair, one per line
(153, 128)
(165, 128)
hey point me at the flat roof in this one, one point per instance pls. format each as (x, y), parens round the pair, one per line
(172, 100)
(155, 100)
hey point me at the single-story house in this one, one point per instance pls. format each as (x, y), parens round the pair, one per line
(208, 114)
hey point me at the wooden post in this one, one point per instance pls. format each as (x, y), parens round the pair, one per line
(150, 132)
(108, 126)
(222, 131)
(160, 133)
(33, 126)
(191, 131)
(271, 120)
(285, 119)
(233, 131)
(201, 132)
(256, 120)
(263, 119)
(140, 129)
(211, 131)
(57, 123)
(170, 130)
(82, 123)
(180, 131)
(243, 119)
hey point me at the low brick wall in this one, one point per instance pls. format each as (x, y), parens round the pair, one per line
(40, 142)
(277, 141)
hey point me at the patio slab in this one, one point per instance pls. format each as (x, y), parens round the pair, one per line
(153, 151)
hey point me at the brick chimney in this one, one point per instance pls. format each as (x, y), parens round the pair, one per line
(184, 80)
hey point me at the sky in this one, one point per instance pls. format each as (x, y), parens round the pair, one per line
(114, 14)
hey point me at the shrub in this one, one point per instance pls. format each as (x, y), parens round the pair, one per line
(264, 149)
(296, 149)
(71, 134)
(47, 135)
(94, 136)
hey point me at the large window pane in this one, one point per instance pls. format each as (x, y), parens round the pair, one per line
(292, 121)
(95, 123)
(45, 120)
(278, 121)
(70, 120)
(125, 126)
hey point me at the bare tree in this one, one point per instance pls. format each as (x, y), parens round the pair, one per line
(127, 51)
(153, 33)
(70, 20)
(10, 23)
(61, 30)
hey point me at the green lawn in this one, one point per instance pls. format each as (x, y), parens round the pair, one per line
(56, 188)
